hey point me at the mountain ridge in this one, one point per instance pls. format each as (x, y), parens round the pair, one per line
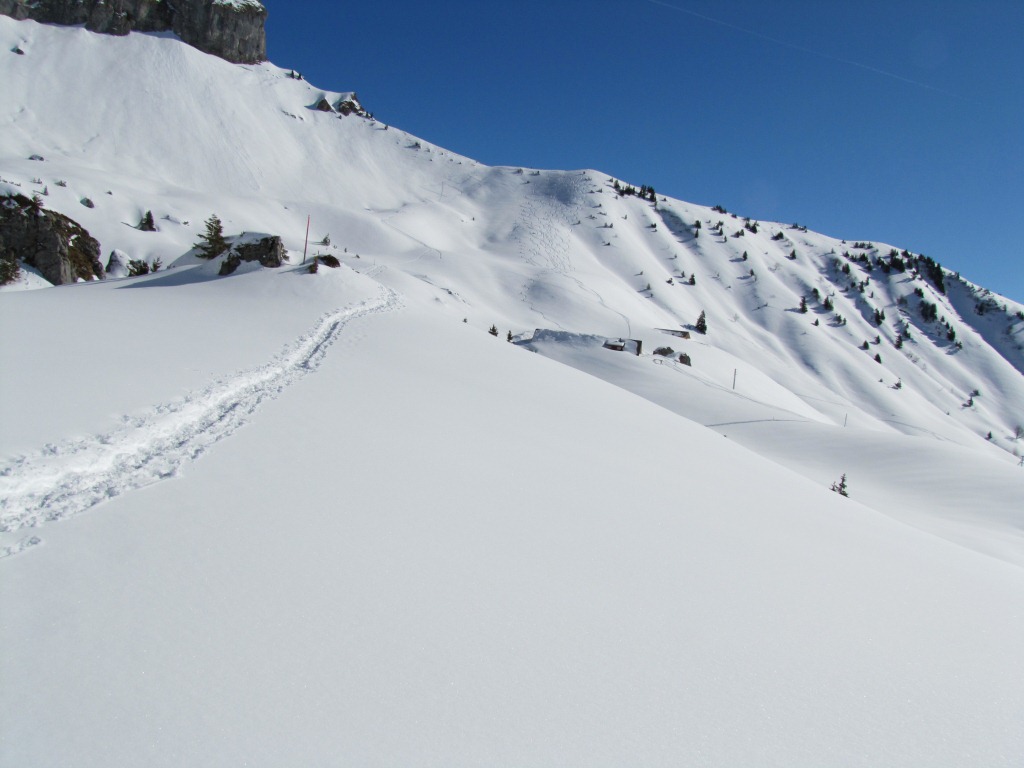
(572, 251)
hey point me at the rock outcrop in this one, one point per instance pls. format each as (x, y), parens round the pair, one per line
(117, 264)
(347, 104)
(60, 248)
(268, 250)
(231, 29)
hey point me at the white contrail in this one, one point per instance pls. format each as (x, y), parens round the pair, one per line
(802, 49)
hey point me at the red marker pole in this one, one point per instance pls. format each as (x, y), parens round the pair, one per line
(306, 246)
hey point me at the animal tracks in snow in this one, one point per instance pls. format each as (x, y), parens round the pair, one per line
(59, 481)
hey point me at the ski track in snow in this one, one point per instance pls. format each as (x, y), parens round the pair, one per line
(546, 217)
(59, 481)
(540, 231)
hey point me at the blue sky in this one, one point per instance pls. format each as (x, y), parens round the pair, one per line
(901, 122)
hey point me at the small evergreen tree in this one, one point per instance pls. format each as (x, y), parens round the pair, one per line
(702, 323)
(493, 331)
(146, 223)
(803, 305)
(9, 269)
(840, 487)
(212, 243)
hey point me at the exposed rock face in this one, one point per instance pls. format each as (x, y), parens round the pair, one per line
(49, 241)
(349, 105)
(117, 264)
(231, 29)
(116, 17)
(268, 250)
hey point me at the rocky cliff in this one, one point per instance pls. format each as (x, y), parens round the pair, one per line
(57, 246)
(231, 29)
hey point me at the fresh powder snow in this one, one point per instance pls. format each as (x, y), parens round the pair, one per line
(282, 517)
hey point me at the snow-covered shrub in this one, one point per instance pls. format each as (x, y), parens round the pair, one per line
(138, 267)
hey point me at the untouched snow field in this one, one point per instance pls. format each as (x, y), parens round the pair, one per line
(282, 518)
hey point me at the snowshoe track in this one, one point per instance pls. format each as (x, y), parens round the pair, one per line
(59, 481)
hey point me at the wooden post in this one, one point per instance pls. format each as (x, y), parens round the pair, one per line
(734, 372)
(306, 246)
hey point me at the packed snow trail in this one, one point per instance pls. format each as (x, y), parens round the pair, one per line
(59, 481)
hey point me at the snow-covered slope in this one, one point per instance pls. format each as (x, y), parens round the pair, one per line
(282, 517)
(561, 248)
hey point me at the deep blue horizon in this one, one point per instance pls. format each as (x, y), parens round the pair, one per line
(893, 123)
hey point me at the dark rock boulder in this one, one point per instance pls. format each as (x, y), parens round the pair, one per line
(268, 250)
(231, 29)
(117, 264)
(349, 105)
(59, 247)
